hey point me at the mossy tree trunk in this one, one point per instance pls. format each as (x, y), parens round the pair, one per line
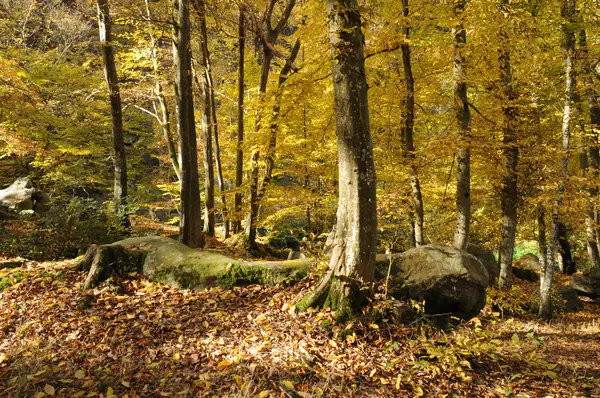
(353, 259)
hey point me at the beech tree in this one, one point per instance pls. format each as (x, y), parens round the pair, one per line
(463, 118)
(408, 109)
(190, 228)
(353, 258)
(110, 73)
(508, 196)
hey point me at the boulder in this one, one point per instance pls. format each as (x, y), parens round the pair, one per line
(487, 258)
(18, 196)
(588, 284)
(23, 196)
(525, 274)
(572, 302)
(530, 260)
(451, 281)
(171, 262)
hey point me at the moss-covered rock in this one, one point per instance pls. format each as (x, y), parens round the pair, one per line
(175, 264)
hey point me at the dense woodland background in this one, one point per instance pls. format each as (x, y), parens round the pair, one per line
(484, 119)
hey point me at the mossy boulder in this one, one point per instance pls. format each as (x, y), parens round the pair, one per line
(171, 262)
(530, 260)
(451, 281)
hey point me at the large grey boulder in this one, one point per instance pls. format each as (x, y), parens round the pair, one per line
(588, 284)
(451, 281)
(487, 258)
(171, 262)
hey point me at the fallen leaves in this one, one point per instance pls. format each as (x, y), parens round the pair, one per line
(143, 339)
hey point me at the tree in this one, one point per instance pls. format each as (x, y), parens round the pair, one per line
(463, 117)
(353, 258)
(568, 46)
(163, 120)
(205, 84)
(110, 73)
(239, 157)
(408, 111)
(268, 37)
(190, 228)
(508, 194)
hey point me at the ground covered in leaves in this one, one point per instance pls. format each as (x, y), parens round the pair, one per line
(134, 338)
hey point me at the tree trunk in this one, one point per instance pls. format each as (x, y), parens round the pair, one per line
(110, 74)
(268, 39)
(408, 111)
(253, 193)
(191, 220)
(545, 309)
(463, 117)
(511, 152)
(567, 12)
(207, 123)
(239, 157)
(274, 128)
(592, 135)
(592, 244)
(353, 258)
(165, 123)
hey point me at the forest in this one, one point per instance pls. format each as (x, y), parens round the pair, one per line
(299, 198)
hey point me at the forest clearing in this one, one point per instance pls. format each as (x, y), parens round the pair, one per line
(299, 198)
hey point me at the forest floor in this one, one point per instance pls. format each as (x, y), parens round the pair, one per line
(135, 338)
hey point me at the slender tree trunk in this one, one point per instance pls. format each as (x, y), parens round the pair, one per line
(239, 157)
(164, 121)
(463, 117)
(110, 74)
(545, 308)
(268, 39)
(408, 111)
(592, 244)
(353, 259)
(207, 122)
(274, 127)
(191, 220)
(567, 12)
(511, 152)
(592, 141)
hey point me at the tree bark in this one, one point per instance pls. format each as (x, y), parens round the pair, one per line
(207, 122)
(191, 220)
(268, 38)
(110, 74)
(353, 258)
(568, 45)
(408, 113)
(274, 127)
(165, 123)
(592, 244)
(545, 308)
(511, 153)
(239, 157)
(463, 116)
(592, 136)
